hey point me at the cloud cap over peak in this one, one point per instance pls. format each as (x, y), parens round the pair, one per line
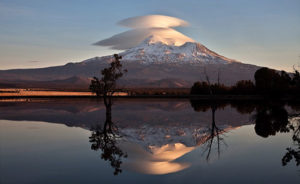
(148, 21)
(142, 27)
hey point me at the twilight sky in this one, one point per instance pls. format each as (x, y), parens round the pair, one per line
(40, 33)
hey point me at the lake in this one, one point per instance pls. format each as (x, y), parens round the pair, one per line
(149, 141)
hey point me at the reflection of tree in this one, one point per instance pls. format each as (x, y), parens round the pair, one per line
(293, 152)
(214, 132)
(270, 119)
(214, 135)
(205, 105)
(244, 107)
(105, 139)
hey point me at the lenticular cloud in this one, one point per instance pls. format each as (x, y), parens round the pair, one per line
(143, 27)
(152, 21)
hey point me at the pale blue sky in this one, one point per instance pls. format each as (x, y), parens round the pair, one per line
(39, 33)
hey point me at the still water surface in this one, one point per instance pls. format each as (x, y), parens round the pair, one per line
(149, 141)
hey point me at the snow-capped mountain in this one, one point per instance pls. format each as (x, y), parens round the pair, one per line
(157, 62)
(156, 49)
(155, 54)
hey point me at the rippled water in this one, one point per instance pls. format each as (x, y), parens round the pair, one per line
(149, 141)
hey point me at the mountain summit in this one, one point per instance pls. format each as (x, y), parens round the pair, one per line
(156, 49)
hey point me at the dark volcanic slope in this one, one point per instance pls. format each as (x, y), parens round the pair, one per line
(139, 74)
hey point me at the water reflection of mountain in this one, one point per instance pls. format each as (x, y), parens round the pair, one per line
(161, 144)
(164, 130)
(127, 113)
(156, 133)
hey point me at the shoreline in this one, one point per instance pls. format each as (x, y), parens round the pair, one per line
(191, 97)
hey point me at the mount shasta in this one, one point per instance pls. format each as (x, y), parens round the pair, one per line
(157, 62)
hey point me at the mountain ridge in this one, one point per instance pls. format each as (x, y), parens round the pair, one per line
(153, 63)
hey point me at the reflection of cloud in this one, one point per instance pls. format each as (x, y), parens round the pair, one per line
(145, 26)
(161, 160)
(170, 152)
(158, 168)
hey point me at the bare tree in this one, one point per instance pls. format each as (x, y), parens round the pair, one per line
(208, 81)
(218, 76)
